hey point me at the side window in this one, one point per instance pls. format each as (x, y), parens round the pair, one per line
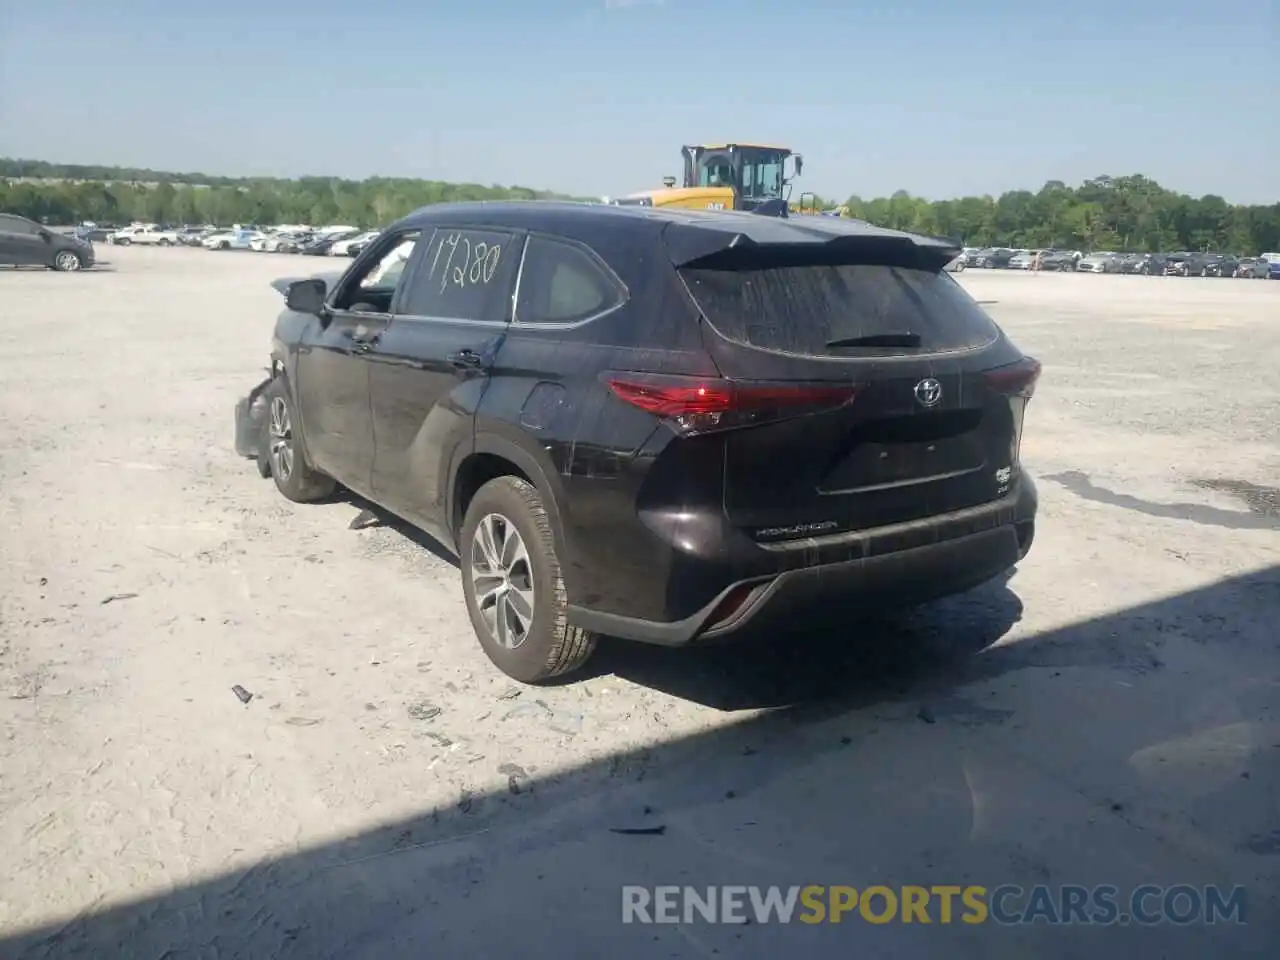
(465, 274)
(386, 272)
(11, 224)
(716, 171)
(561, 283)
(770, 179)
(372, 285)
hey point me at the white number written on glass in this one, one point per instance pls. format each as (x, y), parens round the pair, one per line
(466, 264)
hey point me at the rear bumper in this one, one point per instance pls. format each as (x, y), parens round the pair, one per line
(891, 567)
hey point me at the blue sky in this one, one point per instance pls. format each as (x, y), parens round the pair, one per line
(596, 96)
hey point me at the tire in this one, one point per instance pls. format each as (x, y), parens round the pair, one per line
(549, 647)
(67, 261)
(124, 241)
(224, 245)
(166, 243)
(293, 476)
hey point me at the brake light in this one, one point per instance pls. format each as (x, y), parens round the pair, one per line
(696, 404)
(1017, 379)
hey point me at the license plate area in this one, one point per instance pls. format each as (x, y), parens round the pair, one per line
(909, 450)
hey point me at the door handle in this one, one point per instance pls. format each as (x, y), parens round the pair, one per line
(466, 360)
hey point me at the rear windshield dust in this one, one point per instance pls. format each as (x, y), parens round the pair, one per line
(804, 309)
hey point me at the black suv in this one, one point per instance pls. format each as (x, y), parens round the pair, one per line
(1201, 265)
(654, 424)
(1061, 260)
(995, 258)
(25, 243)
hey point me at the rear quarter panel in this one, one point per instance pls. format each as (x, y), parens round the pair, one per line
(547, 399)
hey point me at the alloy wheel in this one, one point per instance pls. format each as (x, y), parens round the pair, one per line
(67, 261)
(502, 578)
(281, 437)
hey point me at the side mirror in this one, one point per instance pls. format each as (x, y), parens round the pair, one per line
(668, 182)
(46, 235)
(799, 164)
(306, 296)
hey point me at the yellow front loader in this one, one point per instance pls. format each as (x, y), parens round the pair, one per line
(731, 176)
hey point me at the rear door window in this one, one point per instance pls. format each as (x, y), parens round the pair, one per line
(465, 274)
(11, 224)
(804, 309)
(562, 282)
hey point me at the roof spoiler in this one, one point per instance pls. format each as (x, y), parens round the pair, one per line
(747, 254)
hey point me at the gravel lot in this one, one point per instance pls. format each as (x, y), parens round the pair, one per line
(1107, 716)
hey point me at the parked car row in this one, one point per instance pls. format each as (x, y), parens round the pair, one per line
(24, 242)
(338, 240)
(341, 240)
(1176, 264)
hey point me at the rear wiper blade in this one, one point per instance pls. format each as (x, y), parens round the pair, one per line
(904, 339)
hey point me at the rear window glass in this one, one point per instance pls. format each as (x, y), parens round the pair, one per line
(801, 309)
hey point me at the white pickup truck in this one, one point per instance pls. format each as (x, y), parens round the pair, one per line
(145, 233)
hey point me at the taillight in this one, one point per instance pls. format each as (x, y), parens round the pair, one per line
(698, 404)
(1016, 379)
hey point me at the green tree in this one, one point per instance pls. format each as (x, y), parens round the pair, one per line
(1130, 212)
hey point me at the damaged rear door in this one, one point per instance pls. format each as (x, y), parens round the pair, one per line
(431, 367)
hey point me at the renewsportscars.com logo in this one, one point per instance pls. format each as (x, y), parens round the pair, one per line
(1006, 905)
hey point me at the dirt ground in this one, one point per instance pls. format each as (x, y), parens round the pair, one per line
(1107, 716)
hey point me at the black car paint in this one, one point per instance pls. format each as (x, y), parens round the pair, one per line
(319, 246)
(1216, 265)
(638, 513)
(1199, 265)
(24, 242)
(996, 258)
(1058, 260)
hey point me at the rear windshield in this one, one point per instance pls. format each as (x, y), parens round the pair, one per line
(803, 309)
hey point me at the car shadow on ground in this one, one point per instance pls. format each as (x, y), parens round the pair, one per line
(801, 664)
(855, 659)
(371, 515)
(1137, 747)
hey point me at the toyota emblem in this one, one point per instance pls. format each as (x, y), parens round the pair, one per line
(928, 392)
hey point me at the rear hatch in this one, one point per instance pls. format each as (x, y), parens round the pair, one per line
(934, 422)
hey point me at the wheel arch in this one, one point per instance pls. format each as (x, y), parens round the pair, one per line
(281, 371)
(494, 456)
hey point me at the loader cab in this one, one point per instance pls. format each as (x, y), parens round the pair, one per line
(753, 175)
(732, 176)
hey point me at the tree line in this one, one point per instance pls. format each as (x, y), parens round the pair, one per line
(65, 195)
(1131, 213)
